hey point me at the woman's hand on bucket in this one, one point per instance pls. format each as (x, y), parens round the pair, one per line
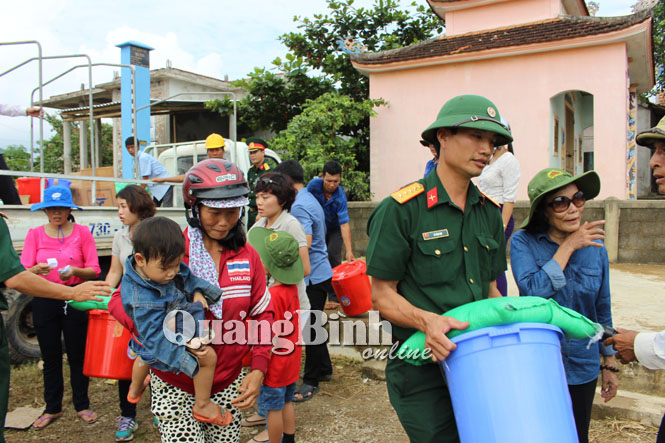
(435, 335)
(249, 391)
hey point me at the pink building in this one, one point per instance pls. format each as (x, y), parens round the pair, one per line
(566, 82)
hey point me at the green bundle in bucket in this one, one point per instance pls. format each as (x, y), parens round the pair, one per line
(503, 311)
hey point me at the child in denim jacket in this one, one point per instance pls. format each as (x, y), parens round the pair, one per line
(155, 284)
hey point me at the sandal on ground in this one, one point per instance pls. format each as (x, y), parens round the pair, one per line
(247, 423)
(331, 305)
(45, 420)
(133, 400)
(87, 415)
(254, 440)
(222, 419)
(306, 392)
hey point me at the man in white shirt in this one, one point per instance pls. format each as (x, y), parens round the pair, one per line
(648, 348)
(150, 168)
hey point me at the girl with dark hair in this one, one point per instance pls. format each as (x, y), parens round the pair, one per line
(62, 252)
(215, 191)
(134, 205)
(275, 193)
(557, 256)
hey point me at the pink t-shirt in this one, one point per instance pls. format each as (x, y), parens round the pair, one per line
(78, 249)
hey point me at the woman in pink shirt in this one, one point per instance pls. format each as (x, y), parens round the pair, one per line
(62, 252)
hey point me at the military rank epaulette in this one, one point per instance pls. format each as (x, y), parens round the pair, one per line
(266, 166)
(408, 192)
(487, 197)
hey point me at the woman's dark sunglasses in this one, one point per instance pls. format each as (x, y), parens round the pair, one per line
(562, 203)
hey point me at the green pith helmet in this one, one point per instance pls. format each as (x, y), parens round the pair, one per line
(551, 179)
(653, 135)
(469, 111)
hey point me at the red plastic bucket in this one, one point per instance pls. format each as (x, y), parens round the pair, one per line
(29, 186)
(106, 348)
(352, 286)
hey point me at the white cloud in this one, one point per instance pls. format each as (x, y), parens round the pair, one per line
(211, 37)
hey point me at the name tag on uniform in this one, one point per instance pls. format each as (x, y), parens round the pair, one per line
(435, 234)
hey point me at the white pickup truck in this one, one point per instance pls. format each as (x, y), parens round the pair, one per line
(103, 223)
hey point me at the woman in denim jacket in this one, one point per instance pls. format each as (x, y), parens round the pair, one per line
(557, 256)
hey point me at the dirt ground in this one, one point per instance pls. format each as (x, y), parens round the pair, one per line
(347, 409)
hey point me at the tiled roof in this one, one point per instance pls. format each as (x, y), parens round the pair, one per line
(561, 28)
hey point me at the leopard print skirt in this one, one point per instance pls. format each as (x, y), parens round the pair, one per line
(173, 409)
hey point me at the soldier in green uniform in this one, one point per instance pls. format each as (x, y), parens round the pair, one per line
(260, 165)
(436, 244)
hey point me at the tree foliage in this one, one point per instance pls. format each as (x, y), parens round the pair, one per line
(316, 136)
(54, 147)
(318, 66)
(17, 157)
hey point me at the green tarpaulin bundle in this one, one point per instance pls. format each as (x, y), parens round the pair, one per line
(503, 311)
(90, 304)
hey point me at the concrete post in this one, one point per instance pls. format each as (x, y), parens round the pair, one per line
(67, 146)
(98, 143)
(612, 213)
(83, 143)
(232, 128)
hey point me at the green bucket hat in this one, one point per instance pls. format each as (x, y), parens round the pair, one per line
(551, 179)
(279, 253)
(651, 136)
(469, 111)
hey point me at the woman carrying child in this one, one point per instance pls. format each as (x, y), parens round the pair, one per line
(215, 250)
(134, 205)
(157, 285)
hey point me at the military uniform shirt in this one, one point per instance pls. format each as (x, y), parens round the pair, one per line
(440, 256)
(253, 174)
(10, 264)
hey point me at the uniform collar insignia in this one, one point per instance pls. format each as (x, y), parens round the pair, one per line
(432, 197)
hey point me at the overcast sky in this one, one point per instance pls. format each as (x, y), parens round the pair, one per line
(210, 37)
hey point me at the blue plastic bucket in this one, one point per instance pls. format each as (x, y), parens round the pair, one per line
(508, 384)
(59, 182)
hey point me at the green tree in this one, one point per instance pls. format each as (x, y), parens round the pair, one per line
(17, 158)
(54, 147)
(323, 41)
(316, 135)
(318, 64)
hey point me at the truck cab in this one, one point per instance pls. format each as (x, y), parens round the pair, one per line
(177, 158)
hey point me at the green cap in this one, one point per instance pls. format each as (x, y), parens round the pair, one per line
(551, 179)
(653, 135)
(254, 143)
(280, 254)
(469, 111)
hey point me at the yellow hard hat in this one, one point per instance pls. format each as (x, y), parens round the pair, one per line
(215, 141)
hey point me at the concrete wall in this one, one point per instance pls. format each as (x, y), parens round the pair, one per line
(507, 13)
(634, 230)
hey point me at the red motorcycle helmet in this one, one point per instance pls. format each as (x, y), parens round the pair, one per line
(213, 179)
